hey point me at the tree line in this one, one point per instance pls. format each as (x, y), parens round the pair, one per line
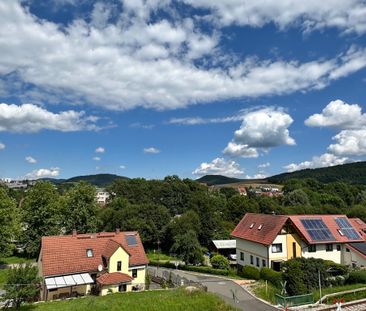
(176, 215)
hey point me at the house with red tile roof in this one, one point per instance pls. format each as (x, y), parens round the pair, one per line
(267, 240)
(99, 263)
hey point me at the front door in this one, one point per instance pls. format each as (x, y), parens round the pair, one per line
(294, 250)
(122, 287)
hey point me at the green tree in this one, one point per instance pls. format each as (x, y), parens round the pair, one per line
(80, 208)
(22, 285)
(187, 247)
(296, 197)
(41, 215)
(9, 223)
(220, 262)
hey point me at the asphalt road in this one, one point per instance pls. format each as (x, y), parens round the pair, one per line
(225, 289)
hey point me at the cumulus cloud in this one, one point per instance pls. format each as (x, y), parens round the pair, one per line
(346, 15)
(100, 150)
(151, 150)
(29, 118)
(325, 160)
(2, 146)
(44, 172)
(49, 58)
(338, 114)
(349, 142)
(97, 158)
(264, 165)
(261, 129)
(219, 166)
(30, 160)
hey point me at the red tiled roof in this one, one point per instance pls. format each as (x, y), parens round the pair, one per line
(114, 278)
(271, 226)
(66, 254)
(359, 225)
(329, 221)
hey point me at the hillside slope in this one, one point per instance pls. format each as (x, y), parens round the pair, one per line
(99, 180)
(354, 173)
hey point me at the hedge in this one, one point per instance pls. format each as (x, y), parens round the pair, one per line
(251, 272)
(201, 269)
(356, 277)
(271, 276)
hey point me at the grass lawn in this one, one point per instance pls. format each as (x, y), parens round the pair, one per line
(160, 256)
(2, 277)
(177, 300)
(259, 290)
(15, 259)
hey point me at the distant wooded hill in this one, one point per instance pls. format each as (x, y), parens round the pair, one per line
(99, 180)
(354, 173)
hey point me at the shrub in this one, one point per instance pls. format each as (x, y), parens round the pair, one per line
(356, 277)
(220, 262)
(271, 276)
(251, 272)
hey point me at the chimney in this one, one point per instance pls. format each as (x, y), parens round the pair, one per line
(118, 230)
(74, 233)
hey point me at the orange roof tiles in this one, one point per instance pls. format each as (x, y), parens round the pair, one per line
(114, 278)
(247, 228)
(61, 255)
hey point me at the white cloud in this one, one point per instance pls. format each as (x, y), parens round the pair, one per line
(261, 129)
(219, 166)
(346, 15)
(100, 150)
(30, 118)
(350, 142)
(30, 160)
(142, 126)
(325, 160)
(256, 176)
(44, 172)
(2, 146)
(264, 165)
(199, 120)
(338, 114)
(239, 150)
(50, 58)
(122, 167)
(97, 158)
(151, 150)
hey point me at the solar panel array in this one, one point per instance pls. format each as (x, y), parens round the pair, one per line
(347, 229)
(131, 240)
(317, 229)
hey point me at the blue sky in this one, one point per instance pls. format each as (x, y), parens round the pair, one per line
(244, 89)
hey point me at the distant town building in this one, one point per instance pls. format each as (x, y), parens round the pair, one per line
(242, 191)
(16, 184)
(102, 196)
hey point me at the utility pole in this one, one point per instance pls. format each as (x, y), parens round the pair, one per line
(320, 287)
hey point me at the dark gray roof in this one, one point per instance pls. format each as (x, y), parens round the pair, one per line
(361, 247)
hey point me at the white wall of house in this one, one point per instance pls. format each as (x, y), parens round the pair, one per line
(352, 258)
(251, 250)
(322, 253)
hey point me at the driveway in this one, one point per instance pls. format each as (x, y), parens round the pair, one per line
(224, 288)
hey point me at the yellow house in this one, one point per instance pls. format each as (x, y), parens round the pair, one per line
(267, 240)
(98, 263)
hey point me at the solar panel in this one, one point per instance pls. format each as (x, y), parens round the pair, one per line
(131, 240)
(346, 228)
(317, 229)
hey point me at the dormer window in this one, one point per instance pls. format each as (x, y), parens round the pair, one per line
(89, 252)
(252, 225)
(260, 227)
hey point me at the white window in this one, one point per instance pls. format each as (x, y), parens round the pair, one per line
(89, 252)
(252, 225)
(277, 248)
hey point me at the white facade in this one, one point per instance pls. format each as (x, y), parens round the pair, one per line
(102, 197)
(251, 253)
(324, 251)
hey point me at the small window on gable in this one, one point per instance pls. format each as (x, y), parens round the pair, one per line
(252, 225)
(89, 252)
(119, 265)
(260, 227)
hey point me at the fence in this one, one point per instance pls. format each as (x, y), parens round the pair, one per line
(292, 301)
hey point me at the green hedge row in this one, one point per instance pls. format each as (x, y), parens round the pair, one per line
(356, 277)
(201, 269)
